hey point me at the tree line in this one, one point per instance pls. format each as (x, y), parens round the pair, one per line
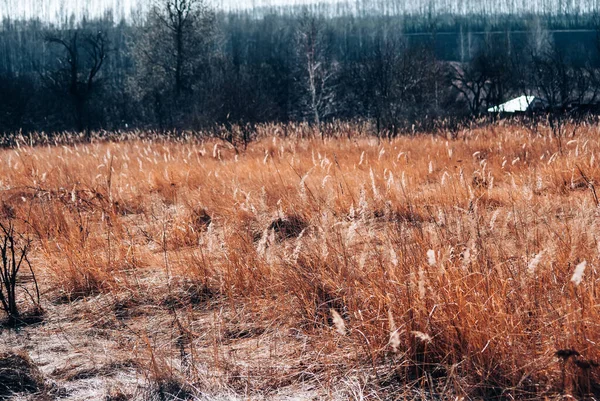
(182, 65)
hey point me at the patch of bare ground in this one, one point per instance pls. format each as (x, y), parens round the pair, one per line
(110, 347)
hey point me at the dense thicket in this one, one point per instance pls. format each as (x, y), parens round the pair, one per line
(182, 65)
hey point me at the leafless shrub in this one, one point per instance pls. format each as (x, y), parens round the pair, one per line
(14, 250)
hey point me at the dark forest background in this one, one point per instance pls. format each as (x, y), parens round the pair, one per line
(182, 65)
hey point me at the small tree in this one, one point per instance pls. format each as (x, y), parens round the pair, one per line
(486, 79)
(14, 252)
(172, 57)
(381, 75)
(400, 83)
(77, 69)
(318, 69)
(560, 82)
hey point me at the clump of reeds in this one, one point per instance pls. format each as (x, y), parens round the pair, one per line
(452, 254)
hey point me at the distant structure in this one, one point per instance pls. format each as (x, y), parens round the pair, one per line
(520, 104)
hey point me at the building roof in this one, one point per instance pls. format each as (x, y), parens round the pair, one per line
(518, 104)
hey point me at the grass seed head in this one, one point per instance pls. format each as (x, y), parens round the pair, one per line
(431, 257)
(534, 262)
(424, 337)
(578, 273)
(338, 322)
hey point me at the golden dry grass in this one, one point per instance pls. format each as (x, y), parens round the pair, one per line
(446, 264)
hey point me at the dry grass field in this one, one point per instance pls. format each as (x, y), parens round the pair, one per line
(459, 266)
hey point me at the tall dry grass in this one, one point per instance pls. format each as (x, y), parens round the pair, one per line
(468, 262)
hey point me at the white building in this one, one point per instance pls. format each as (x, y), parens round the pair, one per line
(518, 105)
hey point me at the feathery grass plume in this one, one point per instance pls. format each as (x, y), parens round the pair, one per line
(394, 335)
(362, 260)
(338, 322)
(533, 264)
(373, 185)
(578, 273)
(362, 158)
(324, 247)
(431, 257)
(421, 283)
(269, 251)
(393, 256)
(363, 205)
(390, 181)
(351, 232)
(302, 185)
(426, 338)
(466, 257)
(261, 247)
(444, 177)
(494, 218)
(441, 218)
(298, 247)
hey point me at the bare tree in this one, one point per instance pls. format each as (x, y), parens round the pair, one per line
(470, 81)
(485, 80)
(172, 56)
(382, 75)
(592, 68)
(549, 73)
(319, 69)
(79, 63)
(14, 252)
(184, 25)
(564, 85)
(401, 83)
